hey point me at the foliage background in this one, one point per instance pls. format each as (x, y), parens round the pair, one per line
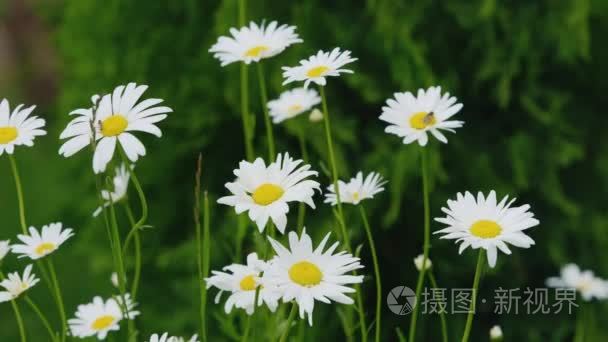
(531, 74)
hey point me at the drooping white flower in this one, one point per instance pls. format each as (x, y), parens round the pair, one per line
(496, 333)
(166, 338)
(292, 103)
(100, 317)
(40, 244)
(241, 282)
(254, 42)
(357, 189)
(18, 128)
(317, 67)
(419, 261)
(117, 115)
(305, 275)
(585, 282)
(15, 285)
(412, 117)
(121, 185)
(5, 247)
(265, 191)
(484, 223)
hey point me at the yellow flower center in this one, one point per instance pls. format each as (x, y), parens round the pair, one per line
(256, 51)
(114, 125)
(317, 71)
(267, 193)
(8, 134)
(305, 273)
(293, 109)
(102, 322)
(422, 120)
(44, 248)
(584, 285)
(356, 196)
(247, 283)
(485, 229)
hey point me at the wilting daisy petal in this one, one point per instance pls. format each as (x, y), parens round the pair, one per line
(121, 185)
(411, 118)
(100, 317)
(305, 275)
(357, 189)
(253, 43)
(15, 285)
(40, 244)
(317, 67)
(79, 132)
(166, 338)
(419, 261)
(18, 128)
(241, 282)
(5, 247)
(484, 223)
(265, 191)
(292, 103)
(585, 282)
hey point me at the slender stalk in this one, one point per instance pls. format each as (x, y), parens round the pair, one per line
(267, 123)
(427, 235)
(19, 193)
(247, 328)
(60, 306)
(19, 319)
(302, 206)
(247, 130)
(137, 242)
(292, 315)
(42, 318)
(202, 245)
(444, 324)
(478, 271)
(581, 320)
(372, 247)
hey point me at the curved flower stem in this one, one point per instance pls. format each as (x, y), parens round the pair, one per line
(42, 318)
(19, 320)
(202, 244)
(444, 324)
(427, 235)
(19, 193)
(478, 271)
(60, 306)
(302, 207)
(142, 200)
(247, 130)
(267, 123)
(137, 242)
(292, 315)
(372, 247)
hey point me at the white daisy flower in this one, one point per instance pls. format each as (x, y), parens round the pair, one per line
(15, 284)
(356, 190)
(121, 184)
(100, 317)
(116, 116)
(253, 43)
(292, 103)
(419, 260)
(242, 282)
(317, 67)
(496, 333)
(585, 282)
(37, 245)
(265, 191)
(18, 128)
(305, 275)
(484, 223)
(315, 115)
(412, 117)
(5, 247)
(166, 338)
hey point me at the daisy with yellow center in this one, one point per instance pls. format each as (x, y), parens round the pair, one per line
(357, 189)
(265, 191)
(483, 222)
(585, 282)
(18, 128)
(292, 103)
(40, 244)
(116, 116)
(241, 281)
(412, 117)
(100, 317)
(15, 285)
(304, 275)
(254, 42)
(317, 67)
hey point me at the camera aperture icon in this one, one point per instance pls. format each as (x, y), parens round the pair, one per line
(401, 300)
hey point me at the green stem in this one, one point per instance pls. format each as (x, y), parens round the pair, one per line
(247, 131)
(581, 320)
(292, 315)
(302, 207)
(267, 123)
(19, 319)
(60, 306)
(444, 324)
(19, 193)
(202, 244)
(478, 271)
(427, 234)
(137, 242)
(247, 328)
(372, 246)
(42, 318)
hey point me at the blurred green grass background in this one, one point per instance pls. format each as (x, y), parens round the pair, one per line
(532, 76)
